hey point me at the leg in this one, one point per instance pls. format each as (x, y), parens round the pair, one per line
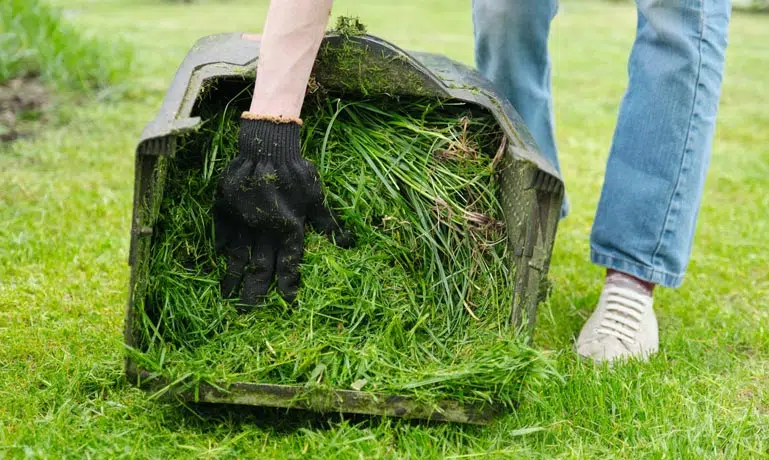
(511, 51)
(656, 169)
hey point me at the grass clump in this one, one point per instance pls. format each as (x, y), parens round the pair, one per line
(350, 67)
(349, 26)
(36, 39)
(419, 306)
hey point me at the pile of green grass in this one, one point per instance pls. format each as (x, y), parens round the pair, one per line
(36, 39)
(419, 306)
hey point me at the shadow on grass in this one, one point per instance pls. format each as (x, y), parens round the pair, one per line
(207, 416)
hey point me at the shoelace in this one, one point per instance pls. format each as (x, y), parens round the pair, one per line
(624, 308)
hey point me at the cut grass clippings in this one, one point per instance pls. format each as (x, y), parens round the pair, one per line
(418, 307)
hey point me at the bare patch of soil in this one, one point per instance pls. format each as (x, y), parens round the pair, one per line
(22, 102)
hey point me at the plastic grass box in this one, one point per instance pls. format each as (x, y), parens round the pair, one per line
(221, 68)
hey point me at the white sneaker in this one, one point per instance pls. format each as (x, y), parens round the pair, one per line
(623, 324)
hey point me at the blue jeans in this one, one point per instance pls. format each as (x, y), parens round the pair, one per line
(644, 225)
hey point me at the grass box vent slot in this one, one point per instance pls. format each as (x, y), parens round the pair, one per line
(454, 211)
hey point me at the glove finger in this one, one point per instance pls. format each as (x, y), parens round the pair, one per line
(259, 273)
(237, 251)
(288, 261)
(324, 220)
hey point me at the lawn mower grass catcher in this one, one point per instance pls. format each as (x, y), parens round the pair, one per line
(454, 212)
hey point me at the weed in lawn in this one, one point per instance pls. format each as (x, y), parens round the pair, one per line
(419, 306)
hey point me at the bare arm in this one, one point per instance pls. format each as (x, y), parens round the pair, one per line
(292, 34)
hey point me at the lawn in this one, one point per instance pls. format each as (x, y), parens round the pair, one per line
(65, 205)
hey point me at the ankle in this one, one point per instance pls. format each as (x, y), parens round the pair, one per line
(646, 285)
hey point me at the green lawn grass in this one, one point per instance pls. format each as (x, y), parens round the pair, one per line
(65, 205)
(35, 40)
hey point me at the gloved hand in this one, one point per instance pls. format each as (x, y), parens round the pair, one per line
(264, 197)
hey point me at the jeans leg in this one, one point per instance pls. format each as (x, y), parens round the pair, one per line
(655, 174)
(511, 52)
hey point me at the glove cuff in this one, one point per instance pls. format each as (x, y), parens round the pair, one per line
(266, 136)
(272, 118)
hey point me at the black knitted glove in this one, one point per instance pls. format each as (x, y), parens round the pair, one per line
(264, 197)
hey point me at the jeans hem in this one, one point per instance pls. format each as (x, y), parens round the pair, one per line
(650, 274)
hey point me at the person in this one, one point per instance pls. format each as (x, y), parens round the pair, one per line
(644, 225)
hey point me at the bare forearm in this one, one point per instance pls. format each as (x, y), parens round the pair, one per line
(292, 34)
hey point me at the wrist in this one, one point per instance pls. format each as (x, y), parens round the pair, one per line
(267, 136)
